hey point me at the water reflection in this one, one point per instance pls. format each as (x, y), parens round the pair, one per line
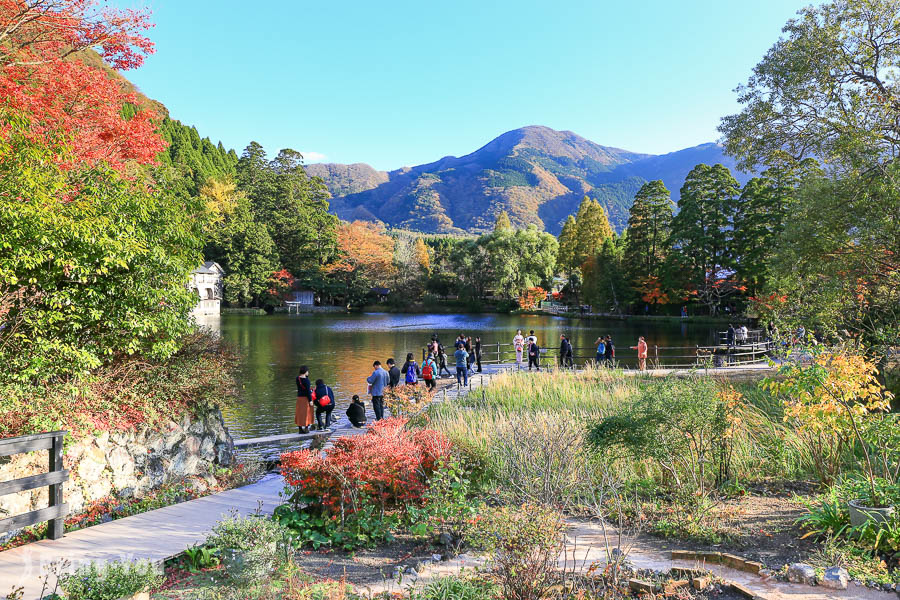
(340, 349)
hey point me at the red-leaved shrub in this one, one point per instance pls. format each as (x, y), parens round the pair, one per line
(388, 465)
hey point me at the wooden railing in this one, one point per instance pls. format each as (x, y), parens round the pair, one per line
(57, 510)
(666, 357)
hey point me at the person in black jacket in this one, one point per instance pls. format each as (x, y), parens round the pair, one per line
(404, 370)
(303, 411)
(357, 412)
(394, 372)
(324, 404)
(609, 352)
(534, 355)
(565, 352)
(478, 353)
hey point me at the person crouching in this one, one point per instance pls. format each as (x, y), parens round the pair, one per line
(357, 412)
(324, 404)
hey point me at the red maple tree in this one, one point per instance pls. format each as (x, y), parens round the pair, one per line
(43, 76)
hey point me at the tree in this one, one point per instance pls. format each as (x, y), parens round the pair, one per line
(521, 259)
(701, 231)
(471, 262)
(827, 90)
(365, 257)
(44, 46)
(649, 226)
(591, 229)
(565, 259)
(605, 282)
(96, 265)
(422, 256)
(293, 206)
(502, 221)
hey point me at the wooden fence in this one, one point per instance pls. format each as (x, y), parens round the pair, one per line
(57, 510)
(661, 357)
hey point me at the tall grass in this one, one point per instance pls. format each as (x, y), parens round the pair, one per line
(519, 416)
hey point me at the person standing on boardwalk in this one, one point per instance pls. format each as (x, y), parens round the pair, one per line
(356, 412)
(378, 381)
(531, 337)
(642, 353)
(442, 362)
(410, 370)
(601, 350)
(730, 335)
(462, 373)
(609, 351)
(324, 404)
(477, 349)
(429, 372)
(303, 410)
(534, 354)
(519, 344)
(394, 374)
(565, 352)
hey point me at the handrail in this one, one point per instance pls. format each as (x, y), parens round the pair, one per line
(56, 510)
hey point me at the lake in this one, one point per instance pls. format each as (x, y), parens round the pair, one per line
(340, 349)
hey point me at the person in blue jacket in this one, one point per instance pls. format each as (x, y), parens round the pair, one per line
(378, 380)
(462, 371)
(324, 404)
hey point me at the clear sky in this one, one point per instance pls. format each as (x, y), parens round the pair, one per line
(402, 83)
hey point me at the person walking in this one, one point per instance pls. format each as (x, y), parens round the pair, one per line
(356, 412)
(519, 344)
(468, 346)
(429, 371)
(609, 351)
(642, 353)
(730, 335)
(442, 362)
(534, 354)
(462, 373)
(303, 411)
(477, 348)
(565, 352)
(601, 350)
(378, 381)
(324, 404)
(410, 370)
(394, 374)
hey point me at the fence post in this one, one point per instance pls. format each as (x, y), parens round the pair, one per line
(498, 354)
(57, 526)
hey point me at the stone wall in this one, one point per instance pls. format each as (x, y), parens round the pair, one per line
(125, 463)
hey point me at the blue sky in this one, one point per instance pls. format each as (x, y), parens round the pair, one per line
(403, 83)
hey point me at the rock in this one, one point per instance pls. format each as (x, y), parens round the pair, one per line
(185, 464)
(436, 557)
(208, 448)
(224, 453)
(121, 463)
(445, 539)
(196, 428)
(191, 444)
(801, 573)
(173, 439)
(766, 573)
(92, 464)
(421, 566)
(888, 587)
(835, 578)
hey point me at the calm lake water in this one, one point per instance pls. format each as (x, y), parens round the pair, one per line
(340, 349)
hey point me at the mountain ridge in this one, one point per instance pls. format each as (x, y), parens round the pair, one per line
(538, 175)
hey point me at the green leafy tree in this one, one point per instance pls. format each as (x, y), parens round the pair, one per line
(591, 229)
(92, 266)
(471, 262)
(649, 226)
(827, 90)
(521, 259)
(701, 231)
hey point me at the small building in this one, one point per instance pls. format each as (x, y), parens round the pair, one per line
(303, 297)
(206, 283)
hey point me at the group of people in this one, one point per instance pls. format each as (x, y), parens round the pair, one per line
(735, 336)
(316, 402)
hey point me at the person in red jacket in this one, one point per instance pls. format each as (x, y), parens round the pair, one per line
(642, 353)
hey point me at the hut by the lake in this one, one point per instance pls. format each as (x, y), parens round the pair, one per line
(206, 283)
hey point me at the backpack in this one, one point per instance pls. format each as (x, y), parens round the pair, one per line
(411, 373)
(325, 399)
(427, 372)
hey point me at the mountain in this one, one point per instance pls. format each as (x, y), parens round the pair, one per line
(536, 174)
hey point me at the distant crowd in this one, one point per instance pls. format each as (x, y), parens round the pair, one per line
(316, 402)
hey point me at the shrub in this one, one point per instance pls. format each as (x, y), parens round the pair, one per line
(388, 465)
(525, 543)
(448, 507)
(249, 547)
(456, 588)
(685, 427)
(110, 581)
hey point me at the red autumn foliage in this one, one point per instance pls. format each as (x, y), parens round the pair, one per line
(531, 297)
(43, 78)
(388, 465)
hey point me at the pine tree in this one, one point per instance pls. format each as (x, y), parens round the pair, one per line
(565, 260)
(592, 228)
(502, 222)
(649, 225)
